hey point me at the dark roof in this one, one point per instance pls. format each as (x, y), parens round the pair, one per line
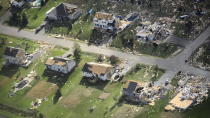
(62, 10)
(11, 51)
(131, 87)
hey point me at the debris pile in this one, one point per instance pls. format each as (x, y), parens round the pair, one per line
(142, 93)
(156, 32)
(192, 90)
(37, 103)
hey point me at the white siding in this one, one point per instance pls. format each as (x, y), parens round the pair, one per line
(103, 24)
(63, 69)
(102, 77)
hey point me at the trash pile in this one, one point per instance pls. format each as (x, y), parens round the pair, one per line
(150, 94)
(156, 32)
(37, 103)
(192, 90)
(143, 93)
(25, 82)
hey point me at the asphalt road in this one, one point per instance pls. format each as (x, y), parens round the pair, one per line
(172, 64)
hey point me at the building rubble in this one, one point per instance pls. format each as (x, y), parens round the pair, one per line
(192, 90)
(37, 103)
(154, 32)
(142, 94)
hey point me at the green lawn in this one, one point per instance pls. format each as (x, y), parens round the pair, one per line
(29, 46)
(145, 73)
(77, 96)
(9, 77)
(9, 115)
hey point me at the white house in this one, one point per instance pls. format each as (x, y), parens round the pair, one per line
(59, 64)
(98, 70)
(14, 56)
(104, 21)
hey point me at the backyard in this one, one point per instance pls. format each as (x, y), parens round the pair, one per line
(77, 95)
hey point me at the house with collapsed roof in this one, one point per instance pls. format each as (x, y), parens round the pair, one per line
(99, 71)
(14, 56)
(64, 12)
(131, 91)
(104, 21)
(141, 93)
(60, 64)
(145, 36)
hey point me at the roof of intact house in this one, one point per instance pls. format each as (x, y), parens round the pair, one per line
(13, 52)
(63, 9)
(103, 15)
(97, 68)
(57, 61)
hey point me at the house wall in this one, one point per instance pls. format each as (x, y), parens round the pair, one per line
(103, 24)
(63, 69)
(102, 77)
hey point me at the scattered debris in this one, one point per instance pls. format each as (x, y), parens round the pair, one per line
(156, 32)
(37, 103)
(192, 90)
(142, 93)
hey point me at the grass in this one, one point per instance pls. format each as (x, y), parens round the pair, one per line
(29, 46)
(9, 115)
(84, 100)
(20, 100)
(83, 96)
(37, 15)
(145, 73)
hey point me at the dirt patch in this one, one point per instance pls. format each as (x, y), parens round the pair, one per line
(42, 89)
(75, 97)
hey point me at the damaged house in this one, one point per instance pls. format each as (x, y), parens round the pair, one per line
(95, 71)
(15, 56)
(130, 91)
(63, 13)
(141, 93)
(59, 64)
(104, 21)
